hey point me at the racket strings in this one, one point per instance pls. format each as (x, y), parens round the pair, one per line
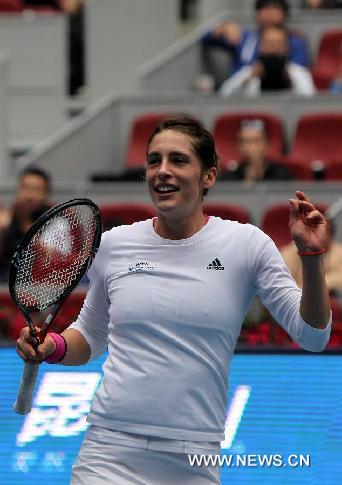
(54, 257)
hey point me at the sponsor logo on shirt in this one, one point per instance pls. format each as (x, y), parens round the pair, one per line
(142, 266)
(216, 265)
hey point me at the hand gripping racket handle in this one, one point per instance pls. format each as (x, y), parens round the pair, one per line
(23, 403)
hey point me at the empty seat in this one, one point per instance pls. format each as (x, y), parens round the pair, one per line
(299, 170)
(14, 321)
(335, 309)
(142, 128)
(120, 214)
(334, 170)
(328, 59)
(226, 128)
(317, 139)
(11, 6)
(228, 211)
(275, 223)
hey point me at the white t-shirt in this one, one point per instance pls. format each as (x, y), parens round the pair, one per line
(170, 312)
(243, 81)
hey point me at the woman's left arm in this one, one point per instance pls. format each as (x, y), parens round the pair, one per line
(309, 231)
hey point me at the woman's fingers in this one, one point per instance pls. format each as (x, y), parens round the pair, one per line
(303, 204)
(301, 207)
(302, 196)
(26, 345)
(314, 216)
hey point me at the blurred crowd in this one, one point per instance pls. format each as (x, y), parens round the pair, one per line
(269, 57)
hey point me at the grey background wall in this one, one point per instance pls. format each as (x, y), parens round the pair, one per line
(121, 36)
(36, 45)
(4, 77)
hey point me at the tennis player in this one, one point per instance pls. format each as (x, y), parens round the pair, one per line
(168, 297)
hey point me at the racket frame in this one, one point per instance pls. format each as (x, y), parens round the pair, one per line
(15, 262)
(23, 403)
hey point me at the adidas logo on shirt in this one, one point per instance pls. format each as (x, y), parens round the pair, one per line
(215, 264)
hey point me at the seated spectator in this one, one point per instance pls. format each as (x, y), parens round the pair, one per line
(314, 4)
(254, 165)
(243, 44)
(272, 70)
(30, 201)
(332, 262)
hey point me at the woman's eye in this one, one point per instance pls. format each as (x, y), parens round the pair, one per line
(152, 160)
(179, 159)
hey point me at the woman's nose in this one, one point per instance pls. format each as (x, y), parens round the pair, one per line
(164, 168)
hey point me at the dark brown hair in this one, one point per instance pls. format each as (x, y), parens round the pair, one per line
(282, 4)
(39, 172)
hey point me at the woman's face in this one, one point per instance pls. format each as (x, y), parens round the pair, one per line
(174, 174)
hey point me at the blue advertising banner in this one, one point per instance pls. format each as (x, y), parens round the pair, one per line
(284, 420)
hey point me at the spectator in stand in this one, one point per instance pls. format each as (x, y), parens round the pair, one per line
(254, 165)
(314, 4)
(31, 200)
(243, 44)
(332, 262)
(272, 69)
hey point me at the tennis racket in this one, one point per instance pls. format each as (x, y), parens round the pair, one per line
(48, 264)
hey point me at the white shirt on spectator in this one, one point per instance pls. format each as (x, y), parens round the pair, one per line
(243, 81)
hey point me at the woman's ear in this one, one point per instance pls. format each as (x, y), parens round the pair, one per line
(209, 177)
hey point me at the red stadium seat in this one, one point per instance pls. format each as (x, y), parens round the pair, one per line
(12, 320)
(142, 127)
(336, 310)
(318, 138)
(334, 170)
(299, 170)
(228, 211)
(275, 222)
(8, 311)
(226, 129)
(11, 6)
(328, 58)
(68, 312)
(119, 214)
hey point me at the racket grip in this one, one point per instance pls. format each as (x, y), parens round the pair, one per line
(23, 403)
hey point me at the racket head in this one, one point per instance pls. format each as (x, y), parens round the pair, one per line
(40, 272)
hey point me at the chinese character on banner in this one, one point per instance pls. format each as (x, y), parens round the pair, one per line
(234, 415)
(61, 406)
(53, 461)
(24, 461)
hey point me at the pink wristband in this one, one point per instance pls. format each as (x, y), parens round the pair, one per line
(60, 350)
